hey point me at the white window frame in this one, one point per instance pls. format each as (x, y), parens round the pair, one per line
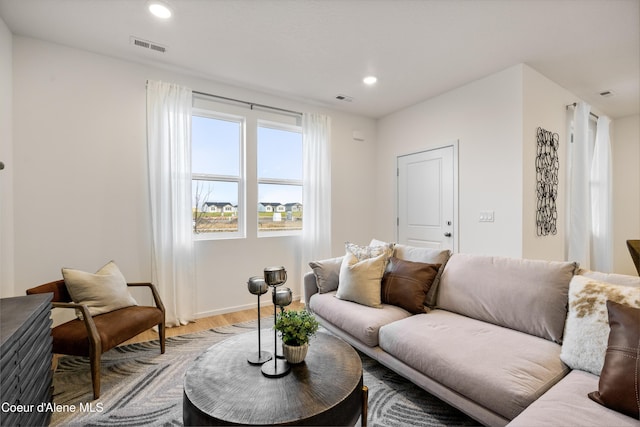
(296, 182)
(239, 179)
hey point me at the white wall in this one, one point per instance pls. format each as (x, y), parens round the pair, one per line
(495, 120)
(486, 117)
(544, 106)
(625, 142)
(81, 190)
(6, 156)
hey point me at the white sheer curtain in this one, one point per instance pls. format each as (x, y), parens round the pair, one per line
(316, 229)
(589, 190)
(579, 202)
(169, 154)
(602, 200)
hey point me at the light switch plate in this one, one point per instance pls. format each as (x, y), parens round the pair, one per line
(486, 216)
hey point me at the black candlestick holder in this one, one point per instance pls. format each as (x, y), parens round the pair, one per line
(274, 277)
(257, 286)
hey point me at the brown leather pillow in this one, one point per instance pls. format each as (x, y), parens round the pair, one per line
(406, 283)
(619, 385)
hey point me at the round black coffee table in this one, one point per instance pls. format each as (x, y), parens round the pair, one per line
(222, 388)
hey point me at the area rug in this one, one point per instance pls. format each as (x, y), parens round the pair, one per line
(141, 387)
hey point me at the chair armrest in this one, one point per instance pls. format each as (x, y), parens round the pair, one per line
(87, 319)
(154, 292)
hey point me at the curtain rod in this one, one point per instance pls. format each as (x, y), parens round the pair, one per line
(250, 104)
(590, 113)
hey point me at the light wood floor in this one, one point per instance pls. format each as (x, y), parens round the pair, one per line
(213, 321)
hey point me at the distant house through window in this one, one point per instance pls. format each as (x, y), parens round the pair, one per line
(279, 179)
(217, 175)
(220, 143)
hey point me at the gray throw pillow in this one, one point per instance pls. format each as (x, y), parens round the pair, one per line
(327, 272)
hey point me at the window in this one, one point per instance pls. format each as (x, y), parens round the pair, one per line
(279, 179)
(217, 174)
(245, 158)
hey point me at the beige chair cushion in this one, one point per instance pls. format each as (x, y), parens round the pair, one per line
(102, 291)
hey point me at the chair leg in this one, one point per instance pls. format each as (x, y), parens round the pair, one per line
(161, 336)
(95, 374)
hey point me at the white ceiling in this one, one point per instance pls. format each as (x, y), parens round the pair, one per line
(313, 50)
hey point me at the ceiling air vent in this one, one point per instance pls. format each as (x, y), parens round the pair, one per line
(345, 98)
(137, 41)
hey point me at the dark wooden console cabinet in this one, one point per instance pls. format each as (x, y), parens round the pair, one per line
(25, 360)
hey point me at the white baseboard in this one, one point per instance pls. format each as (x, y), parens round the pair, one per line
(266, 302)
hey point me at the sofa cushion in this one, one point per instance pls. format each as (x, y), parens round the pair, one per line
(526, 295)
(619, 385)
(360, 321)
(499, 368)
(427, 255)
(567, 404)
(102, 292)
(361, 281)
(327, 272)
(587, 326)
(113, 328)
(406, 283)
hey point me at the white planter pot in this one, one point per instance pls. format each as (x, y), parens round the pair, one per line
(295, 353)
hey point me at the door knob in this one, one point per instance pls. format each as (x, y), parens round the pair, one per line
(447, 234)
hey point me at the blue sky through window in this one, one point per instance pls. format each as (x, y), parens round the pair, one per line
(216, 151)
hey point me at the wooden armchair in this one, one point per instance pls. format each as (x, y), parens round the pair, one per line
(93, 336)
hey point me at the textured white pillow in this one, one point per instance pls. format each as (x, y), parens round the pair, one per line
(102, 292)
(586, 331)
(364, 252)
(360, 281)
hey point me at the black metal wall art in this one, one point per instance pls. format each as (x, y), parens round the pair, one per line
(547, 165)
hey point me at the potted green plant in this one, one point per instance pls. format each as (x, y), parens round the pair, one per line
(296, 328)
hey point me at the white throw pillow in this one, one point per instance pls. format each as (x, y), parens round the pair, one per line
(586, 331)
(364, 252)
(360, 281)
(102, 292)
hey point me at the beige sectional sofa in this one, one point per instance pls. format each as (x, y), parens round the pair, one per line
(489, 343)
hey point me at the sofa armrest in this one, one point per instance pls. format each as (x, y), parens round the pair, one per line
(310, 287)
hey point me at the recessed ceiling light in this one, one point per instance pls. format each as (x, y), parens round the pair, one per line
(369, 80)
(159, 9)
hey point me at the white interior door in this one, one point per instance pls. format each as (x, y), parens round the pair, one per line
(426, 198)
